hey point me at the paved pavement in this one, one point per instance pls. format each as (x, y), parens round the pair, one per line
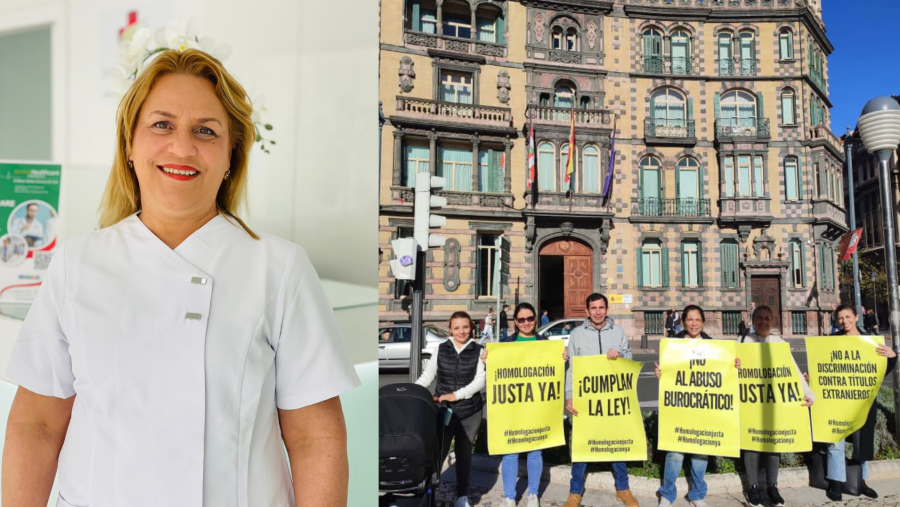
(486, 491)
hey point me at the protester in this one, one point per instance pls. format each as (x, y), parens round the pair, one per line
(488, 326)
(545, 318)
(670, 323)
(763, 318)
(525, 318)
(504, 323)
(598, 335)
(460, 379)
(864, 439)
(693, 319)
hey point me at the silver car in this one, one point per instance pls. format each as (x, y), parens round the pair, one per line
(560, 329)
(394, 345)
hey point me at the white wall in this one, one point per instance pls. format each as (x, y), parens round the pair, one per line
(314, 62)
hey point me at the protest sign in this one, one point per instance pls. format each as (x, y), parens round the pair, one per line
(773, 418)
(845, 373)
(609, 426)
(698, 397)
(525, 396)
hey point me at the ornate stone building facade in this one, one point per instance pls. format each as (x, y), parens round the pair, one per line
(727, 178)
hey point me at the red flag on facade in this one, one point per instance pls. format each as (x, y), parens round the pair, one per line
(849, 244)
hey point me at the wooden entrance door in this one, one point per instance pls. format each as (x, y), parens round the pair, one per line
(766, 290)
(578, 274)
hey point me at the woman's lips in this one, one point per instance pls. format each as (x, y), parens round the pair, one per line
(179, 172)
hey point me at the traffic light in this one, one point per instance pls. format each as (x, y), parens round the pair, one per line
(404, 266)
(424, 220)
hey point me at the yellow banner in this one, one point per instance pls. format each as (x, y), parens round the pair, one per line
(698, 397)
(526, 395)
(845, 372)
(773, 418)
(609, 426)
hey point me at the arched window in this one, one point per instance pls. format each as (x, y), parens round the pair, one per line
(571, 40)
(726, 53)
(748, 54)
(651, 186)
(669, 113)
(792, 178)
(680, 42)
(786, 44)
(546, 164)
(591, 169)
(796, 255)
(738, 113)
(563, 165)
(788, 107)
(652, 264)
(557, 37)
(653, 51)
(687, 182)
(563, 96)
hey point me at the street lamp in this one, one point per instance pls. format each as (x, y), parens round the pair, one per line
(879, 127)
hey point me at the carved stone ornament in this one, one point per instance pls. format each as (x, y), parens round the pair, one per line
(764, 247)
(529, 235)
(503, 87)
(451, 264)
(591, 33)
(567, 228)
(407, 74)
(539, 27)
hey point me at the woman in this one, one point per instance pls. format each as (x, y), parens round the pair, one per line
(524, 317)
(864, 439)
(460, 379)
(763, 318)
(169, 353)
(693, 319)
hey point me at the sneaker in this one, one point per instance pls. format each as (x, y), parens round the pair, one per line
(573, 500)
(834, 491)
(533, 501)
(463, 501)
(754, 498)
(664, 502)
(626, 498)
(698, 503)
(774, 496)
(510, 503)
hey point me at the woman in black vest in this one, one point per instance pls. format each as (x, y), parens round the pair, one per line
(460, 379)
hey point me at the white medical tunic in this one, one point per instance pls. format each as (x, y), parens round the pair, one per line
(179, 360)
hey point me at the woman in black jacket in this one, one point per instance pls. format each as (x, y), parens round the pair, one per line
(864, 439)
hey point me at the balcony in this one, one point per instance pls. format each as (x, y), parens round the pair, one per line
(651, 209)
(661, 131)
(447, 43)
(737, 67)
(667, 65)
(454, 113)
(713, 4)
(752, 210)
(456, 198)
(820, 135)
(590, 118)
(830, 217)
(756, 128)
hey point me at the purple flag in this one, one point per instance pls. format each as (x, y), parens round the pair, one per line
(612, 162)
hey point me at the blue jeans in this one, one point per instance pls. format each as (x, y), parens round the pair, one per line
(674, 460)
(503, 334)
(509, 469)
(579, 471)
(837, 465)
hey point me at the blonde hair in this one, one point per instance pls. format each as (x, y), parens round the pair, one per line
(122, 196)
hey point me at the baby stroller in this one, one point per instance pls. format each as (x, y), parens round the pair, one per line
(410, 435)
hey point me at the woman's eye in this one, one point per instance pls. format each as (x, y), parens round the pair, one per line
(161, 125)
(205, 131)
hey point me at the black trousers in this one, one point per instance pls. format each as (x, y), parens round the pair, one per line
(751, 463)
(463, 432)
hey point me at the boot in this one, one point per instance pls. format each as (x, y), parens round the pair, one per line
(866, 490)
(573, 501)
(834, 490)
(627, 498)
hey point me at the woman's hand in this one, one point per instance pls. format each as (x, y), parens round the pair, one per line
(807, 401)
(737, 363)
(570, 406)
(447, 397)
(565, 353)
(484, 355)
(806, 376)
(657, 370)
(884, 350)
(612, 354)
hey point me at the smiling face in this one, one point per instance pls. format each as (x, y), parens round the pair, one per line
(461, 330)
(597, 312)
(693, 323)
(847, 320)
(525, 322)
(181, 147)
(762, 322)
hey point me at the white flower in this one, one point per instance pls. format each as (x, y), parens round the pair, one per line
(181, 36)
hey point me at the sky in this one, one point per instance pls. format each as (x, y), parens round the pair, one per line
(866, 59)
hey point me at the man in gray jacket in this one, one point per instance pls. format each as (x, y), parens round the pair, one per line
(597, 335)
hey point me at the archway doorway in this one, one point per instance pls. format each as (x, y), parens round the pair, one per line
(566, 271)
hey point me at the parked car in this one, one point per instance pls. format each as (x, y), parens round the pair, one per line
(560, 329)
(394, 345)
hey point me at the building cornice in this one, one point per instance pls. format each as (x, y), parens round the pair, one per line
(576, 6)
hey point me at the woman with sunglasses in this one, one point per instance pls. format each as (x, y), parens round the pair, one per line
(525, 318)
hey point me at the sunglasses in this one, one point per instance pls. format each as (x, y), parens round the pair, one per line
(525, 319)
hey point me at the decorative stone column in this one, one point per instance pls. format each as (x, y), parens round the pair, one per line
(398, 157)
(440, 18)
(507, 171)
(432, 153)
(475, 169)
(472, 33)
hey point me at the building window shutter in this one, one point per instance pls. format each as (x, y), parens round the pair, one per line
(416, 17)
(716, 98)
(664, 254)
(759, 107)
(800, 181)
(501, 30)
(690, 108)
(802, 264)
(640, 267)
(700, 264)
